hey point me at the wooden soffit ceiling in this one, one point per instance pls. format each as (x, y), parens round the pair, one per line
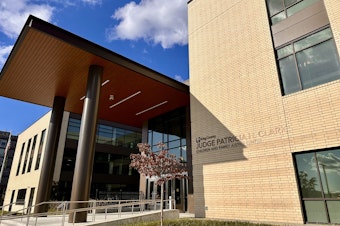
(48, 61)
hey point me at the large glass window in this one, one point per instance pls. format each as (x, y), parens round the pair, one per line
(107, 134)
(281, 9)
(319, 182)
(112, 164)
(170, 130)
(308, 62)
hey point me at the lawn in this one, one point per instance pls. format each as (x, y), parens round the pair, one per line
(195, 222)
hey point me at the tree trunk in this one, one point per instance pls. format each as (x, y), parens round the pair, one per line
(162, 187)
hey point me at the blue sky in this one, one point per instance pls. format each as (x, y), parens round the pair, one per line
(150, 32)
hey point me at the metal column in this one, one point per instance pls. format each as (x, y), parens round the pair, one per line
(85, 153)
(47, 167)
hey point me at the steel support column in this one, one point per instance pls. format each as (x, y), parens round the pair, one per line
(85, 153)
(46, 178)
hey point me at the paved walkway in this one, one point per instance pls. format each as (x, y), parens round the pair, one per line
(92, 219)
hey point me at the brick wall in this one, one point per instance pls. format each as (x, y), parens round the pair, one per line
(243, 130)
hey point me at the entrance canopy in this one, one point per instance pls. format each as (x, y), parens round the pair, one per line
(48, 61)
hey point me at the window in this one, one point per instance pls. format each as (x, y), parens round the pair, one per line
(107, 134)
(32, 154)
(319, 182)
(42, 138)
(21, 197)
(308, 62)
(3, 143)
(281, 9)
(26, 156)
(169, 129)
(73, 129)
(20, 158)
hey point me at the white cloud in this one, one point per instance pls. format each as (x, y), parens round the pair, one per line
(92, 2)
(4, 52)
(330, 162)
(13, 15)
(161, 22)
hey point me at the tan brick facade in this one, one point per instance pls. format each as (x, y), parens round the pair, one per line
(246, 129)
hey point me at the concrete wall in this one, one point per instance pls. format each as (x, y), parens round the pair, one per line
(243, 130)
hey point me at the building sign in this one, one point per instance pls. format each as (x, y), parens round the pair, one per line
(214, 142)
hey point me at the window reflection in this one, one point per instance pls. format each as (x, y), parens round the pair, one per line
(107, 134)
(319, 182)
(329, 166)
(308, 177)
(313, 61)
(169, 129)
(281, 9)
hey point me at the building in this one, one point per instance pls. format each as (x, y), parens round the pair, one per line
(7, 148)
(101, 91)
(264, 137)
(112, 178)
(265, 88)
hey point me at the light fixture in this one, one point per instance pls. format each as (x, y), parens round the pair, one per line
(125, 99)
(104, 83)
(150, 108)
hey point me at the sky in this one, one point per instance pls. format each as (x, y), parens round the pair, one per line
(150, 32)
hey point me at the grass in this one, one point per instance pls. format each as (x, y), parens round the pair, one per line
(195, 222)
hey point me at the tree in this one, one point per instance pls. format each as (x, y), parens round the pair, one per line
(307, 185)
(161, 164)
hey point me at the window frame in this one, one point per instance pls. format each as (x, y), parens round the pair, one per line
(285, 10)
(21, 196)
(294, 54)
(323, 198)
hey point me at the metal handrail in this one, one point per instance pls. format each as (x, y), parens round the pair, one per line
(93, 206)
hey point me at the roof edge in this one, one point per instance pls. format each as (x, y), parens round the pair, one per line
(100, 51)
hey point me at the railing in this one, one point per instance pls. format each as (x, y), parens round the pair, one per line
(61, 209)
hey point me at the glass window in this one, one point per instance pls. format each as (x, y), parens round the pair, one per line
(26, 156)
(170, 130)
(157, 138)
(312, 40)
(20, 158)
(318, 65)
(73, 129)
(329, 166)
(104, 134)
(308, 177)
(289, 2)
(32, 154)
(289, 76)
(42, 139)
(3, 143)
(107, 134)
(299, 6)
(334, 210)
(319, 183)
(311, 62)
(315, 212)
(274, 6)
(21, 197)
(285, 51)
(281, 9)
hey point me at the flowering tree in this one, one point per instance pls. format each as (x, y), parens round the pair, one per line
(162, 165)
